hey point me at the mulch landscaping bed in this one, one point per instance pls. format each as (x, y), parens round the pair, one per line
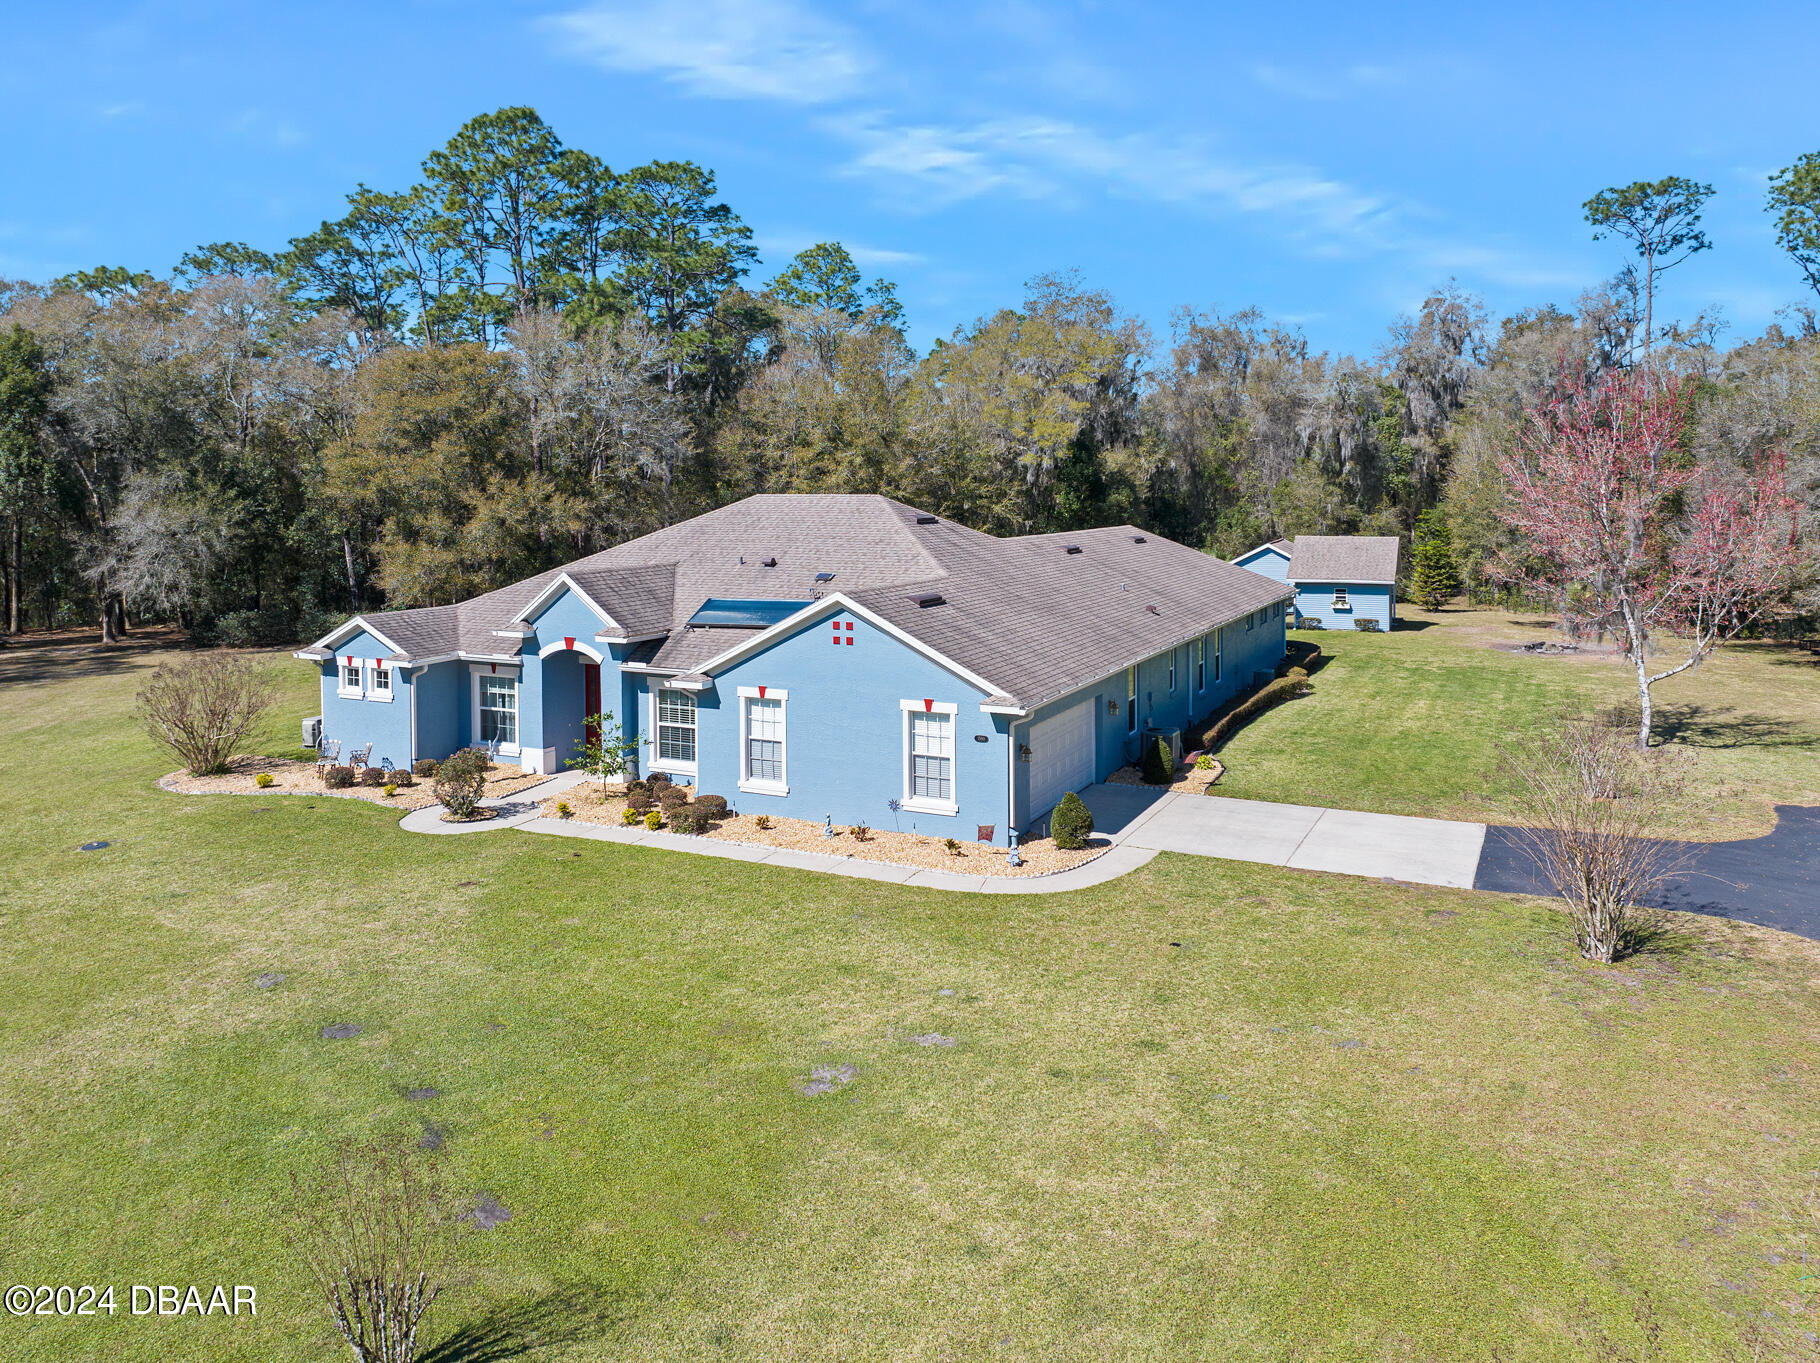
(290, 777)
(1041, 855)
(1189, 779)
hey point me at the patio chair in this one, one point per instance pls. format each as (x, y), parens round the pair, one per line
(385, 764)
(328, 752)
(358, 758)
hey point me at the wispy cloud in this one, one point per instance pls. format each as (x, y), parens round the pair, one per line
(1054, 158)
(724, 49)
(274, 130)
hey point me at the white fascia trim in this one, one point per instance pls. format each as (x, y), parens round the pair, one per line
(563, 646)
(830, 604)
(1349, 582)
(1015, 711)
(676, 683)
(352, 627)
(630, 638)
(513, 633)
(645, 669)
(502, 659)
(561, 582)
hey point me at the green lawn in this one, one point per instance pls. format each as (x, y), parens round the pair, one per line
(1424, 720)
(1135, 1149)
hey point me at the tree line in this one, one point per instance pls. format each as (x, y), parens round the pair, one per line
(528, 356)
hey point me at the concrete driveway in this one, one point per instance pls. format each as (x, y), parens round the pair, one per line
(1381, 846)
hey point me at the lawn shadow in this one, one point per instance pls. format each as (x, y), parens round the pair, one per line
(1655, 937)
(1700, 726)
(1403, 626)
(567, 1315)
(70, 655)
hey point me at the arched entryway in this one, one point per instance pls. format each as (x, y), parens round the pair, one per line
(571, 695)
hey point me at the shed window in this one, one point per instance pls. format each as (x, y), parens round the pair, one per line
(1339, 597)
(675, 726)
(499, 710)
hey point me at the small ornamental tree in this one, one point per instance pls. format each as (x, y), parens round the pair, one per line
(378, 1233)
(607, 754)
(1434, 580)
(1616, 521)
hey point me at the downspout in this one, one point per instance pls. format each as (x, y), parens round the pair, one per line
(410, 678)
(1010, 782)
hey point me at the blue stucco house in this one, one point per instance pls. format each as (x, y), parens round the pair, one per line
(1270, 559)
(1338, 579)
(822, 656)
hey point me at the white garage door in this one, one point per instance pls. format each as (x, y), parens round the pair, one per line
(1061, 756)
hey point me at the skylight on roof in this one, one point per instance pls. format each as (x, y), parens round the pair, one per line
(824, 577)
(719, 612)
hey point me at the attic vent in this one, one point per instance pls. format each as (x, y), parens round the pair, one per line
(1139, 539)
(928, 520)
(928, 599)
(1153, 610)
(1073, 549)
(768, 563)
(824, 577)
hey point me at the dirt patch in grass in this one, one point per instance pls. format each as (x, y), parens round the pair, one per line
(290, 777)
(1040, 855)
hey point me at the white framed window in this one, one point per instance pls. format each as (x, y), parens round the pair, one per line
(1131, 700)
(496, 711)
(929, 756)
(379, 684)
(1200, 663)
(1339, 599)
(675, 729)
(1216, 655)
(348, 683)
(763, 740)
(1172, 670)
(1251, 619)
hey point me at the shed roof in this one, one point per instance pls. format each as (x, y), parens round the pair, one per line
(1344, 558)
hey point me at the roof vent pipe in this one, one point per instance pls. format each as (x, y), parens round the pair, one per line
(768, 563)
(1072, 549)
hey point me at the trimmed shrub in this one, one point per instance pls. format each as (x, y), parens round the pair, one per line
(1158, 762)
(1206, 762)
(658, 781)
(638, 788)
(716, 805)
(640, 802)
(1071, 824)
(1266, 698)
(1310, 622)
(426, 767)
(338, 778)
(672, 797)
(1300, 673)
(264, 780)
(374, 776)
(763, 821)
(564, 809)
(654, 820)
(1366, 624)
(630, 816)
(390, 788)
(690, 818)
(460, 780)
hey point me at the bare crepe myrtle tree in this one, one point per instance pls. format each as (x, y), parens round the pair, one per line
(378, 1231)
(1590, 803)
(202, 708)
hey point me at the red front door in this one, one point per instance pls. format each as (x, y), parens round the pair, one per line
(590, 700)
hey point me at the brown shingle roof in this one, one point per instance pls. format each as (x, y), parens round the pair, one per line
(1024, 614)
(1344, 558)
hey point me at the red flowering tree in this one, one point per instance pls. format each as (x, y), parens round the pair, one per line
(1621, 526)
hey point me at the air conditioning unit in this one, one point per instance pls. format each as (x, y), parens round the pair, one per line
(1173, 737)
(312, 732)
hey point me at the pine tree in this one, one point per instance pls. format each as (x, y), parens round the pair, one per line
(1434, 580)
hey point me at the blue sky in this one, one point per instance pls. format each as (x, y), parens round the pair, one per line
(1327, 163)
